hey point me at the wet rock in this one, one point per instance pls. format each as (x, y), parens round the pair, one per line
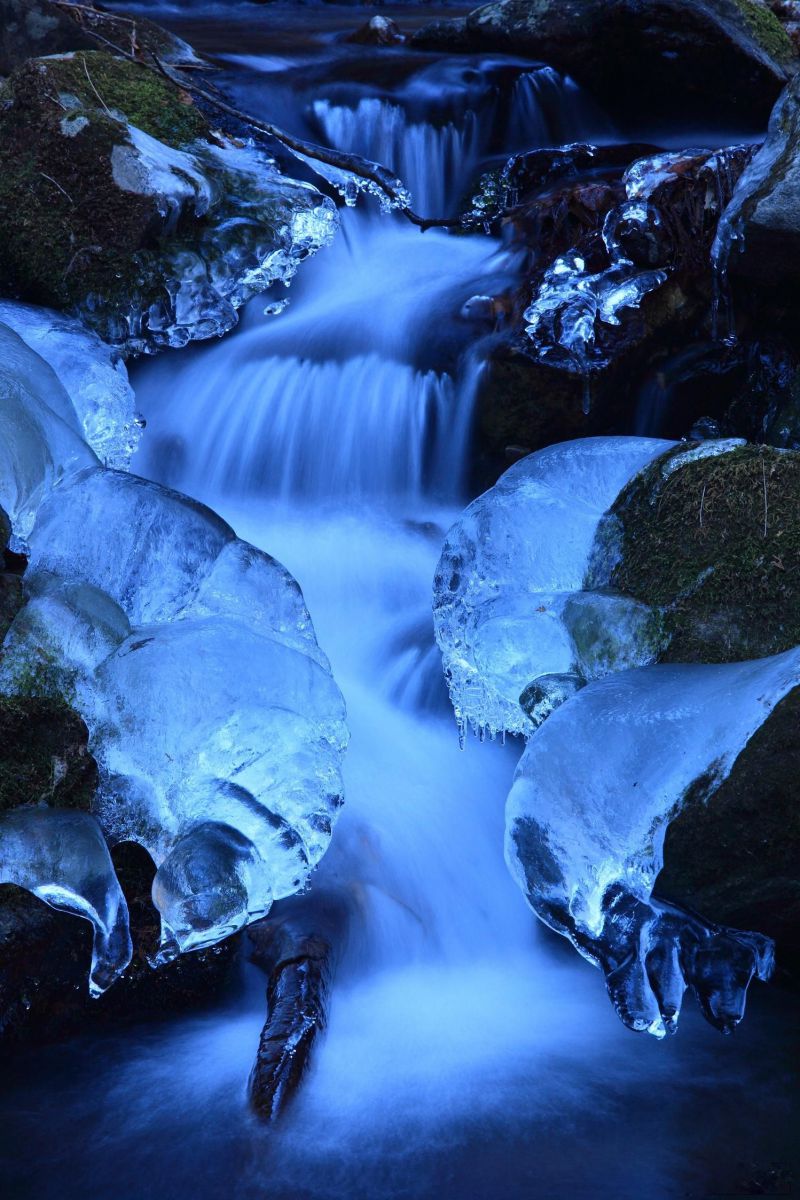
(378, 31)
(43, 754)
(677, 54)
(735, 857)
(44, 957)
(618, 276)
(716, 544)
(759, 235)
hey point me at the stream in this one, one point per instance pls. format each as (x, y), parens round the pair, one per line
(469, 1052)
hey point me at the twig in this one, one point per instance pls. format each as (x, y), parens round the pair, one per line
(94, 89)
(764, 478)
(702, 502)
(55, 183)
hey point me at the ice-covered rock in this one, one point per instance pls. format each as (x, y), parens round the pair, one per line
(39, 439)
(509, 604)
(213, 717)
(166, 228)
(62, 858)
(92, 373)
(586, 819)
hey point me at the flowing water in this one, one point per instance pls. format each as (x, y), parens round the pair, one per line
(468, 1053)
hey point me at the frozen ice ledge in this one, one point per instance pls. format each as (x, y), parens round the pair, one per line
(216, 725)
(536, 642)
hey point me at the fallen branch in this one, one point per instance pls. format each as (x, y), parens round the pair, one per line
(297, 946)
(378, 176)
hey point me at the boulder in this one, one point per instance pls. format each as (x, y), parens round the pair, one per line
(32, 28)
(759, 234)
(670, 55)
(378, 31)
(122, 206)
(715, 543)
(618, 277)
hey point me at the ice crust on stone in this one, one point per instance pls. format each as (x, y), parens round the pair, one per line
(571, 304)
(251, 226)
(586, 817)
(39, 439)
(92, 374)
(212, 714)
(509, 604)
(62, 858)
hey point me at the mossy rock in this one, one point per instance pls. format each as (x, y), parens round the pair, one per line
(127, 91)
(715, 542)
(69, 229)
(680, 55)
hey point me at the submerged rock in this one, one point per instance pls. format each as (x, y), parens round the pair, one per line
(678, 55)
(122, 206)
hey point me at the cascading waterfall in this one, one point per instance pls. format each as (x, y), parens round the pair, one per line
(335, 436)
(427, 158)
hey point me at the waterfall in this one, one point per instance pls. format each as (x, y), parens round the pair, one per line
(430, 160)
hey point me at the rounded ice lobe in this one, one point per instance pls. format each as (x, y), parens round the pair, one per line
(509, 599)
(213, 717)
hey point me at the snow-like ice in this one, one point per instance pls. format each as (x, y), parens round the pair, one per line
(587, 813)
(509, 604)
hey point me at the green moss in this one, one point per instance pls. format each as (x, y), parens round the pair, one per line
(113, 85)
(43, 754)
(717, 544)
(767, 30)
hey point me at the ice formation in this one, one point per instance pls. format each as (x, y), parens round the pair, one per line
(258, 226)
(92, 374)
(509, 604)
(62, 858)
(572, 304)
(215, 722)
(586, 819)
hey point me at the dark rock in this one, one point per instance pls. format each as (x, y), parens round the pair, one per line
(33, 28)
(760, 231)
(45, 955)
(44, 756)
(378, 31)
(735, 857)
(535, 392)
(678, 55)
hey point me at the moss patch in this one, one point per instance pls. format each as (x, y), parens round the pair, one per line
(125, 89)
(767, 30)
(717, 544)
